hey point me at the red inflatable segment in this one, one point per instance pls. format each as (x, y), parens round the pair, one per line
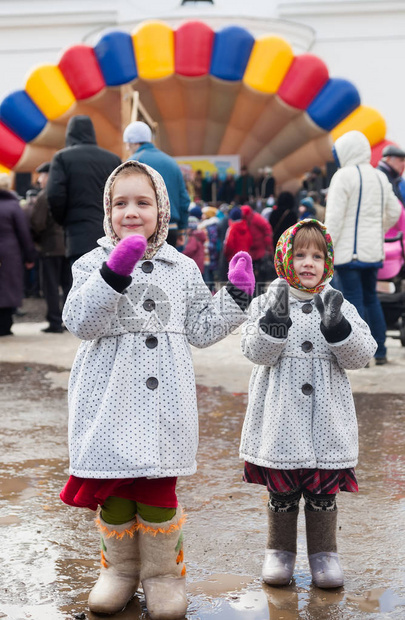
(11, 147)
(377, 149)
(193, 48)
(303, 81)
(82, 72)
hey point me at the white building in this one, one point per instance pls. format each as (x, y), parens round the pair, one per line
(359, 40)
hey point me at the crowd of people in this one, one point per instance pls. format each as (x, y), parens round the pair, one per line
(113, 243)
(211, 219)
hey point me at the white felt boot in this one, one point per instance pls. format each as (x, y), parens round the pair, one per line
(322, 548)
(162, 567)
(279, 561)
(120, 567)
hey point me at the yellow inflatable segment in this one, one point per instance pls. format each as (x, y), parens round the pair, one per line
(3, 169)
(365, 119)
(49, 90)
(153, 44)
(269, 61)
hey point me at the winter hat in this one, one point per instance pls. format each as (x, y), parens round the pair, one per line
(137, 132)
(193, 222)
(209, 212)
(5, 180)
(283, 258)
(45, 167)
(235, 213)
(163, 204)
(309, 204)
(196, 212)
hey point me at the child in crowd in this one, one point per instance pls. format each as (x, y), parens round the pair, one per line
(137, 303)
(196, 238)
(300, 432)
(238, 236)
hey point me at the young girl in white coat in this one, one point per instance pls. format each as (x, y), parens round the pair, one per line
(137, 303)
(300, 432)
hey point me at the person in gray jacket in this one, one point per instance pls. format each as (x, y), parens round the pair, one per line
(300, 433)
(137, 304)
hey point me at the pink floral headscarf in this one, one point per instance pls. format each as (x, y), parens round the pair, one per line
(283, 258)
(163, 204)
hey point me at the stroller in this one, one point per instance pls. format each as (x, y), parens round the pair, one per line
(391, 281)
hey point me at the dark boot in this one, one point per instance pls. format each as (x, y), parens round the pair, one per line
(322, 548)
(281, 552)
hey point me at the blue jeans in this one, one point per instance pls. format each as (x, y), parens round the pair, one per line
(359, 287)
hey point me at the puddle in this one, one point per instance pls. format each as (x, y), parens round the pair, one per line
(50, 551)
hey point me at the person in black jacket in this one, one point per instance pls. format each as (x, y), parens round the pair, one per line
(393, 164)
(75, 186)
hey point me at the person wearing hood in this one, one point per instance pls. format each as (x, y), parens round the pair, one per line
(361, 206)
(238, 236)
(137, 304)
(261, 249)
(75, 185)
(300, 436)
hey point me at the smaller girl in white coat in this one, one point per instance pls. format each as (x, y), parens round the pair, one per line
(137, 303)
(300, 432)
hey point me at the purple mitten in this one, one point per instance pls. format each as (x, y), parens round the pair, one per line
(240, 272)
(126, 254)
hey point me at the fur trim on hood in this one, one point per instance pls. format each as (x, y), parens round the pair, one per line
(163, 204)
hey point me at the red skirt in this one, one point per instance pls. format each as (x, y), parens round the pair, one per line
(319, 481)
(91, 492)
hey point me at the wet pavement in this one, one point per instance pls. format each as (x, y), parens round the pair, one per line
(50, 552)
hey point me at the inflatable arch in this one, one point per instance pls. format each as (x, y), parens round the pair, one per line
(209, 92)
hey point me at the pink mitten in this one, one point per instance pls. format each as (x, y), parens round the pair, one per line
(240, 272)
(126, 254)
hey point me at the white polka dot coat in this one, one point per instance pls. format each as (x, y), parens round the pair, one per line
(300, 410)
(132, 396)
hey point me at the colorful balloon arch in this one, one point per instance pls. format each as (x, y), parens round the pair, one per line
(221, 92)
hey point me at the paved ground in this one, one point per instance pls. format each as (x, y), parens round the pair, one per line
(50, 551)
(231, 370)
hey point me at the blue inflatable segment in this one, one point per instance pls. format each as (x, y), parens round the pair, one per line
(231, 52)
(115, 55)
(336, 100)
(22, 116)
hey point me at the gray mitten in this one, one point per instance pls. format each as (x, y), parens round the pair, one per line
(334, 326)
(276, 322)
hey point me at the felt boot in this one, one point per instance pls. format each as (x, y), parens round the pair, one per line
(322, 548)
(162, 567)
(281, 552)
(120, 567)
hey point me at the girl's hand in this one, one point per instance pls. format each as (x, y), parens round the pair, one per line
(126, 254)
(330, 307)
(334, 326)
(276, 322)
(240, 272)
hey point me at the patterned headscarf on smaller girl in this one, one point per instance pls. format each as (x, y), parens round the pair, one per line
(283, 258)
(163, 205)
